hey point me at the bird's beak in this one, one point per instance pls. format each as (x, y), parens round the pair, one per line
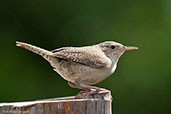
(128, 48)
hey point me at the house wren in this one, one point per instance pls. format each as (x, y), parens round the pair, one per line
(83, 66)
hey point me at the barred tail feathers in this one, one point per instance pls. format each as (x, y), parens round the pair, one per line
(42, 52)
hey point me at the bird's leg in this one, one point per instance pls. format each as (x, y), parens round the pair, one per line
(93, 88)
(86, 87)
(79, 86)
(90, 90)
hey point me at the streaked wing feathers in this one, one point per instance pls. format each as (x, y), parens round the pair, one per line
(79, 56)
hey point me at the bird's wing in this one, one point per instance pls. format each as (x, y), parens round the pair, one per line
(79, 56)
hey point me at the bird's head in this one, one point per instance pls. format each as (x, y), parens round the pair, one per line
(114, 50)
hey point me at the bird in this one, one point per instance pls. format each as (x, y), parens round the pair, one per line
(84, 66)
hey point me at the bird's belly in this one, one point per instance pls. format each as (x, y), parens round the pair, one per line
(78, 73)
(94, 76)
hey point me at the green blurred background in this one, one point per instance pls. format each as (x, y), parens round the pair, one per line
(141, 83)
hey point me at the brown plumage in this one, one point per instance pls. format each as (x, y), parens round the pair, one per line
(82, 66)
(79, 56)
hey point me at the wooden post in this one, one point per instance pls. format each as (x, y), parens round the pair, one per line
(84, 104)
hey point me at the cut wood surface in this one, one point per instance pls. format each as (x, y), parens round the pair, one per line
(84, 104)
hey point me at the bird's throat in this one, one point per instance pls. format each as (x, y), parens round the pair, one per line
(113, 68)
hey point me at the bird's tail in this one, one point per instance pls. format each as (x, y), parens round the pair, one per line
(42, 52)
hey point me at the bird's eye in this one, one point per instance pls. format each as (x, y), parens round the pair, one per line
(113, 47)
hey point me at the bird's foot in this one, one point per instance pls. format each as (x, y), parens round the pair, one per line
(90, 91)
(105, 94)
(85, 94)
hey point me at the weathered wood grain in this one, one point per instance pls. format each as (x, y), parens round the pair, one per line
(84, 104)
